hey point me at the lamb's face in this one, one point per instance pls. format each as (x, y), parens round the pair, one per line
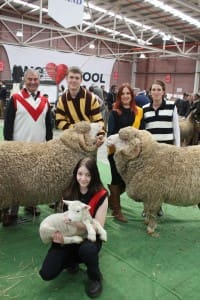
(76, 211)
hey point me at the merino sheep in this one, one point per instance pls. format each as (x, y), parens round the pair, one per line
(64, 223)
(155, 173)
(34, 173)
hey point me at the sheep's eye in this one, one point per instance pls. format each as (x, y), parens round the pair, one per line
(78, 211)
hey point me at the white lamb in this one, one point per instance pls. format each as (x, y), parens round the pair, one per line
(64, 223)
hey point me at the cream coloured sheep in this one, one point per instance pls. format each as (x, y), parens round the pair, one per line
(155, 173)
(65, 223)
(36, 173)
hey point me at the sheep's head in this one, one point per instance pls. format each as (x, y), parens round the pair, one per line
(129, 141)
(77, 211)
(83, 135)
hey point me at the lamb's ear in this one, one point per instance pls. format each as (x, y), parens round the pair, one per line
(67, 202)
(85, 206)
(133, 149)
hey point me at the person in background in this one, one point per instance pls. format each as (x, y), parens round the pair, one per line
(86, 186)
(98, 95)
(160, 118)
(111, 97)
(125, 113)
(106, 113)
(77, 104)
(183, 105)
(141, 98)
(3, 93)
(105, 94)
(28, 118)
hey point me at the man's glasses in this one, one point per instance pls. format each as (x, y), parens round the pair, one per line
(74, 77)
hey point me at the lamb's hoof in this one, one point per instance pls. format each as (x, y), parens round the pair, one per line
(92, 238)
(77, 239)
(103, 237)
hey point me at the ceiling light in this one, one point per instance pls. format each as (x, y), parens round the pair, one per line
(86, 16)
(142, 55)
(92, 46)
(19, 33)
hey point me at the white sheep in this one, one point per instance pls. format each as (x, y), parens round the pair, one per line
(155, 173)
(63, 222)
(36, 173)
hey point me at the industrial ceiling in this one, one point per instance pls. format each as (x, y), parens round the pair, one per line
(121, 29)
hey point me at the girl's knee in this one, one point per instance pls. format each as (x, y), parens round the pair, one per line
(46, 275)
(88, 250)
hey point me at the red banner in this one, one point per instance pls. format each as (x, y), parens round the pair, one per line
(1, 66)
(168, 78)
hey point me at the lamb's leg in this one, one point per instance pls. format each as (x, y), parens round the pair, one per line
(90, 230)
(100, 230)
(76, 239)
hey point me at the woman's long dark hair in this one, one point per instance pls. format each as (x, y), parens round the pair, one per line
(118, 104)
(72, 191)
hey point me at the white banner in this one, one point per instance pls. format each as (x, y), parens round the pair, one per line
(67, 13)
(95, 70)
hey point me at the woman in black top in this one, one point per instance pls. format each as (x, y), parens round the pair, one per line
(125, 113)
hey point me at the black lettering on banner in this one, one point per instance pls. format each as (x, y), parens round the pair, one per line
(95, 77)
(101, 79)
(86, 76)
(75, 1)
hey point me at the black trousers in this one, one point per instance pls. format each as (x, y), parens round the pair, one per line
(116, 178)
(60, 257)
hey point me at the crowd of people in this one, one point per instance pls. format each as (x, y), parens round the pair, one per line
(29, 118)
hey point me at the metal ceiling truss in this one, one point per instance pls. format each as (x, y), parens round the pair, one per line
(124, 45)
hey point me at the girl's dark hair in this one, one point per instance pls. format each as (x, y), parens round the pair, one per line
(118, 104)
(72, 191)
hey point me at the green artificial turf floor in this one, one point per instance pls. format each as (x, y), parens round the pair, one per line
(134, 265)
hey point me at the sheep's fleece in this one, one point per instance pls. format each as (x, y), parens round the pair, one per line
(156, 172)
(35, 173)
(63, 222)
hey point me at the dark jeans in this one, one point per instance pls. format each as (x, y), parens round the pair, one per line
(60, 257)
(116, 178)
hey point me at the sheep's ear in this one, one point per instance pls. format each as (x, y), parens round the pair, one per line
(67, 202)
(85, 206)
(133, 149)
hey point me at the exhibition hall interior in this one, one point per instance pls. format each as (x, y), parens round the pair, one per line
(110, 90)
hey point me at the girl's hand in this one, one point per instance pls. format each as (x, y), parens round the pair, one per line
(57, 237)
